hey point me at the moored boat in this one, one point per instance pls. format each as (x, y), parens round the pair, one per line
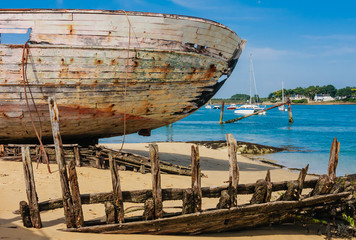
(111, 72)
(232, 106)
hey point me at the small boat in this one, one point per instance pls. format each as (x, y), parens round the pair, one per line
(208, 106)
(251, 108)
(217, 107)
(232, 107)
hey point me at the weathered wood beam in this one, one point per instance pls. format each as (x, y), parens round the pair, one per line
(69, 214)
(333, 159)
(156, 181)
(196, 179)
(31, 188)
(233, 169)
(140, 196)
(77, 203)
(220, 220)
(77, 156)
(326, 182)
(117, 194)
(269, 186)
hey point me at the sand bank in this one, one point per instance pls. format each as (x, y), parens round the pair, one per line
(214, 164)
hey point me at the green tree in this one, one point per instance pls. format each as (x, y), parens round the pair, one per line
(331, 90)
(240, 97)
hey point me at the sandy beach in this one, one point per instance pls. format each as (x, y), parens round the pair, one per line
(214, 164)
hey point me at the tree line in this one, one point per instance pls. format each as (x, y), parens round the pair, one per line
(347, 92)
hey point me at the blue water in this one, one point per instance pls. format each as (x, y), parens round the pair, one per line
(310, 135)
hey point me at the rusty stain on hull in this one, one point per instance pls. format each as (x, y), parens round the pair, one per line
(82, 58)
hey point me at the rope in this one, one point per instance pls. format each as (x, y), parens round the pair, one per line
(25, 53)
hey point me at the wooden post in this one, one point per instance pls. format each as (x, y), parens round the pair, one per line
(2, 150)
(31, 188)
(290, 111)
(77, 156)
(333, 159)
(156, 181)
(67, 198)
(117, 194)
(188, 202)
(326, 182)
(77, 203)
(25, 214)
(148, 213)
(295, 188)
(269, 186)
(233, 169)
(259, 196)
(222, 112)
(196, 178)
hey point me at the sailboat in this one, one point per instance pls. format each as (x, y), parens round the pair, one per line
(250, 108)
(283, 107)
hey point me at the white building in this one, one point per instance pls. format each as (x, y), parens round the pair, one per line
(323, 98)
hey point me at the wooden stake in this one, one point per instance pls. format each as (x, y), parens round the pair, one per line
(222, 112)
(259, 196)
(77, 156)
(233, 169)
(156, 181)
(25, 214)
(31, 188)
(196, 178)
(77, 203)
(67, 197)
(269, 186)
(333, 159)
(117, 194)
(188, 201)
(290, 111)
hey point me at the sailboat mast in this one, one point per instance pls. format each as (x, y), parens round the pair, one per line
(250, 77)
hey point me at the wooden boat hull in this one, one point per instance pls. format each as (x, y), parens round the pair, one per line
(109, 67)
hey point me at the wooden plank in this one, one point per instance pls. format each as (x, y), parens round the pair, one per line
(77, 203)
(333, 159)
(156, 181)
(269, 186)
(196, 179)
(117, 194)
(69, 214)
(140, 196)
(14, 30)
(220, 220)
(31, 188)
(233, 169)
(25, 214)
(77, 156)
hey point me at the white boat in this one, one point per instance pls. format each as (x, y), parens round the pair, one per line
(217, 107)
(208, 106)
(251, 108)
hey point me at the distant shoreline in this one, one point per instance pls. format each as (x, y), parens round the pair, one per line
(228, 102)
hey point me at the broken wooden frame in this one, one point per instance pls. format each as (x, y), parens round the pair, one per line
(92, 156)
(228, 215)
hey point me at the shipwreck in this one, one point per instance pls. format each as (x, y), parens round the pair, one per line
(111, 72)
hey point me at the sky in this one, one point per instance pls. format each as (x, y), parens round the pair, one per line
(299, 42)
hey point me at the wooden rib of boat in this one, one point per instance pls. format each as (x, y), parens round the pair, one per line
(108, 67)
